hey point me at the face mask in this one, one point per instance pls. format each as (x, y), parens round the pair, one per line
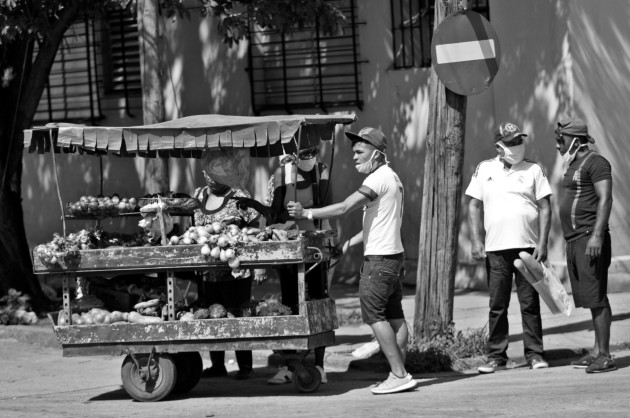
(367, 167)
(215, 188)
(307, 165)
(567, 156)
(512, 155)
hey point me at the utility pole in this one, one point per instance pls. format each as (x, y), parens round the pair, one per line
(442, 187)
(151, 47)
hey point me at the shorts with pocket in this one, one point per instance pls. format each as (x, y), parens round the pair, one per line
(588, 276)
(380, 287)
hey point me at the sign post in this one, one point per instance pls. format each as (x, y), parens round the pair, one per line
(465, 53)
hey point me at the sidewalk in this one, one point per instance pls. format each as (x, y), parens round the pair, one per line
(564, 336)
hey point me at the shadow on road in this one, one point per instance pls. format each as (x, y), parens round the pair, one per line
(338, 383)
(573, 327)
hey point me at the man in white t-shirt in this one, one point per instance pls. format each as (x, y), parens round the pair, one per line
(514, 196)
(382, 271)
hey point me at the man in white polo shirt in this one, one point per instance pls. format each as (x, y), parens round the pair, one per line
(514, 196)
(382, 271)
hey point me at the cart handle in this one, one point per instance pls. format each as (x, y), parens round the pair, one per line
(318, 256)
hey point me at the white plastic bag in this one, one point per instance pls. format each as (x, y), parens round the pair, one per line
(552, 292)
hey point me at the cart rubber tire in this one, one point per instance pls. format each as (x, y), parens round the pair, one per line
(306, 378)
(189, 366)
(162, 381)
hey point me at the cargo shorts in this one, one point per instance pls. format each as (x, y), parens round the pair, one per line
(380, 287)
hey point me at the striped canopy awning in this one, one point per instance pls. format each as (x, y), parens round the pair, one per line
(190, 136)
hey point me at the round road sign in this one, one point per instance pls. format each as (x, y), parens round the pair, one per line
(465, 52)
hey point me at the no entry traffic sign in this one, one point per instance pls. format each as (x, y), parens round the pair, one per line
(465, 52)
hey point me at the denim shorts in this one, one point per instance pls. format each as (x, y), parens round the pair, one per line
(380, 288)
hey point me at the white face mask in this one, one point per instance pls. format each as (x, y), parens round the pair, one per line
(512, 155)
(307, 165)
(567, 156)
(367, 167)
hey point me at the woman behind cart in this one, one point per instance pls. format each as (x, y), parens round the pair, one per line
(225, 173)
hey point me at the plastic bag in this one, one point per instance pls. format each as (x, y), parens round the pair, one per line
(552, 292)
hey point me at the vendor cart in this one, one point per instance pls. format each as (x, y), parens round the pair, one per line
(163, 357)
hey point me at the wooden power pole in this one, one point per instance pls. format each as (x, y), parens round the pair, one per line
(151, 47)
(439, 224)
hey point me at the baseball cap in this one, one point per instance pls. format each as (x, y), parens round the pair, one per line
(574, 126)
(506, 132)
(371, 136)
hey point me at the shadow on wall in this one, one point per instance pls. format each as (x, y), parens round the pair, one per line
(205, 77)
(79, 175)
(600, 45)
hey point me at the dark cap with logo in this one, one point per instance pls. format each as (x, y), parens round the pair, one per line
(506, 132)
(574, 127)
(371, 136)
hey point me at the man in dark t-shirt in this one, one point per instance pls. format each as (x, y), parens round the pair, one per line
(585, 205)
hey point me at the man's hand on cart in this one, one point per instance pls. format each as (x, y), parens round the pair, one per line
(296, 210)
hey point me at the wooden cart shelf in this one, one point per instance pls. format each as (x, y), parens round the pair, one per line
(183, 257)
(275, 332)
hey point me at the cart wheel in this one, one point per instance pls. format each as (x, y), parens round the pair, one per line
(149, 382)
(189, 366)
(306, 378)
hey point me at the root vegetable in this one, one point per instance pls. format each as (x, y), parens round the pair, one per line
(147, 304)
(136, 318)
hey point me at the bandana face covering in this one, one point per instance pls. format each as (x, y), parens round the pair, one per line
(216, 188)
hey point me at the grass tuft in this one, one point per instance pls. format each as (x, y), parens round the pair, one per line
(447, 350)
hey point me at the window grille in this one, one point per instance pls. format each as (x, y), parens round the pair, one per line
(305, 69)
(96, 70)
(412, 30)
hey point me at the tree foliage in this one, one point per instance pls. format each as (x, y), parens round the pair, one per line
(24, 74)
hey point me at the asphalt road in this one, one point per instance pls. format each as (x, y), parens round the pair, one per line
(37, 381)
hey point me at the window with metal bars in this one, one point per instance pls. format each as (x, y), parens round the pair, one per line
(412, 29)
(96, 70)
(305, 69)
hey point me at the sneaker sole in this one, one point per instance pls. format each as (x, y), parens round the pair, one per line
(540, 367)
(407, 386)
(579, 366)
(491, 371)
(279, 382)
(610, 369)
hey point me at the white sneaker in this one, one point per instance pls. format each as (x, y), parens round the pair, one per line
(394, 384)
(283, 376)
(323, 373)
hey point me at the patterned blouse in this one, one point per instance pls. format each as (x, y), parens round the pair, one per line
(227, 209)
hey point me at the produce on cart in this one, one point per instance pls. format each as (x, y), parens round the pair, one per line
(154, 321)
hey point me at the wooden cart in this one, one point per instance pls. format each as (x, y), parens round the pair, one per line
(163, 358)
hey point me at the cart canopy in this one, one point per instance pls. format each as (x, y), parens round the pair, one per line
(265, 136)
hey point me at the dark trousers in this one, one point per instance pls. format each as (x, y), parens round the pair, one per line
(500, 269)
(231, 294)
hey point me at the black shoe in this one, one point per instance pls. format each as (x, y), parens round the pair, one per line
(244, 374)
(603, 363)
(214, 372)
(491, 366)
(584, 362)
